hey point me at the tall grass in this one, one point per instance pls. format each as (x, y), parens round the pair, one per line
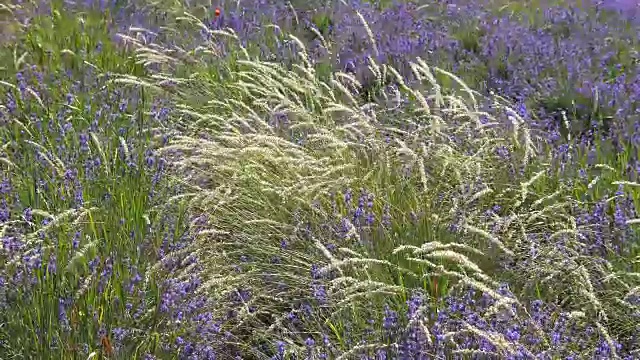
(79, 190)
(171, 202)
(299, 143)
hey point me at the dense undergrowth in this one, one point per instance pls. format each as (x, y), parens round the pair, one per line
(267, 180)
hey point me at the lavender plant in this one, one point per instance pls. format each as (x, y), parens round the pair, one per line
(270, 180)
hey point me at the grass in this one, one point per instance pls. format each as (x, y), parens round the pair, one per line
(170, 190)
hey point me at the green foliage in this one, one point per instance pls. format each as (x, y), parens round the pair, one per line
(86, 221)
(267, 152)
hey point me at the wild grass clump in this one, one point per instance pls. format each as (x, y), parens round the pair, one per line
(191, 186)
(313, 270)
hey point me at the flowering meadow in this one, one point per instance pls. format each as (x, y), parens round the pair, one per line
(320, 179)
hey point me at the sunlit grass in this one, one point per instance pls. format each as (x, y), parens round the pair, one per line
(176, 192)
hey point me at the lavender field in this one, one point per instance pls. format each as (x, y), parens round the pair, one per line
(320, 179)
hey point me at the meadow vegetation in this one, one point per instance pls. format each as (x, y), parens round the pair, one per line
(319, 180)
